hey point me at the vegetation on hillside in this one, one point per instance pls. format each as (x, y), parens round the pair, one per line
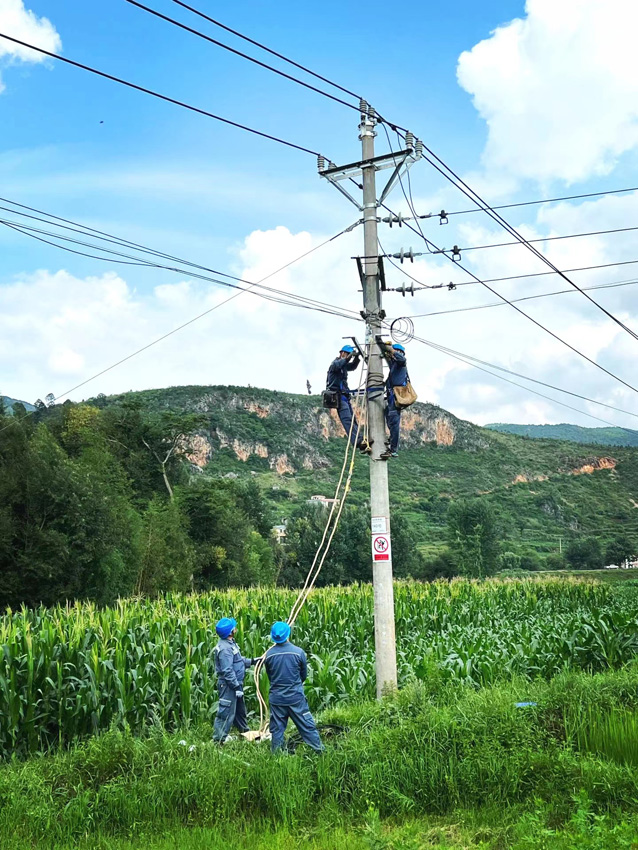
(609, 436)
(100, 500)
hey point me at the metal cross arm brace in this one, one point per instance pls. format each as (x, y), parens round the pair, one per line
(400, 161)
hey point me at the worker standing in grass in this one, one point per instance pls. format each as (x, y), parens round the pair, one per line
(230, 667)
(398, 377)
(287, 668)
(337, 382)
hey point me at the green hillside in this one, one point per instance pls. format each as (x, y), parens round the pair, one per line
(542, 491)
(573, 433)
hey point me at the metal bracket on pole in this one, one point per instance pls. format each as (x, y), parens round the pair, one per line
(401, 162)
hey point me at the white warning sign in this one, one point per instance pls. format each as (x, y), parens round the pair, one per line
(381, 547)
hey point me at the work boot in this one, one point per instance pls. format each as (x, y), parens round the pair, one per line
(365, 446)
(386, 455)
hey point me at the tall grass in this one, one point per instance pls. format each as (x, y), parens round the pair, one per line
(403, 758)
(69, 672)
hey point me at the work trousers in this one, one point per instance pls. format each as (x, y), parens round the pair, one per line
(346, 416)
(300, 715)
(231, 712)
(393, 421)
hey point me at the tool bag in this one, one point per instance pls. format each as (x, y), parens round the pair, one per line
(330, 399)
(404, 396)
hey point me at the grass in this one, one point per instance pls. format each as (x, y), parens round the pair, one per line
(412, 762)
(464, 830)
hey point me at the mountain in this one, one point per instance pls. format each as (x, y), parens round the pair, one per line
(9, 402)
(540, 490)
(574, 433)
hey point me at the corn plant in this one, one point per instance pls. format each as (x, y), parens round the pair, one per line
(74, 670)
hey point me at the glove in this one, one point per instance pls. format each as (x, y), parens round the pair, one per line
(255, 660)
(239, 694)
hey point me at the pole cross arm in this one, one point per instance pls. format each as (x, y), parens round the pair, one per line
(400, 161)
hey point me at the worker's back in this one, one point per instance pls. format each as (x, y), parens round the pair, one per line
(287, 668)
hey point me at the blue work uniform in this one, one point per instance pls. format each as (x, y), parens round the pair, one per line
(398, 377)
(287, 668)
(337, 381)
(230, 667)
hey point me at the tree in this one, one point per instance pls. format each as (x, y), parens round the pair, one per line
(619, 549)
(585, 554)
(167, 557)
(472, 537)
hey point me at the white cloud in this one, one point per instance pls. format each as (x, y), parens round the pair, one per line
(558, 89)
(25, 25)
(57, 329)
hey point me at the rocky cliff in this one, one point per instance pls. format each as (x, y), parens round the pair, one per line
(288, 433)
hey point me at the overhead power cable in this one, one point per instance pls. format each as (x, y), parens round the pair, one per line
(186, 324)
(240, 53)
(285, 297)
(549, 386)
(128, 245)
(267, 49)
(158, 95)
(524, 298)
(550, 239)
(527, 316)
(519, 310)
(543, 201)
(538, 274)
(469, 361)
(450, 175)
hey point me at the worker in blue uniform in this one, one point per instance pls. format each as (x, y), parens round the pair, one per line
(230, 667)
(287, 668)
(398, 377)
(337, 381)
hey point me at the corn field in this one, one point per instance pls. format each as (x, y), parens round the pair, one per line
(69, 672)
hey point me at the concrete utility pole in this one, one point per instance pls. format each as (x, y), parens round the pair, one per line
(384, 633)
(384, 637)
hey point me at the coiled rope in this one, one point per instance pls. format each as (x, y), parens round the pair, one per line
(317, 563)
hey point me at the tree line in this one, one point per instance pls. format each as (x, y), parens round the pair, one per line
(98, 501)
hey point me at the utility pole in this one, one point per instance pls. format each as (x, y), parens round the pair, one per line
(384, 632)
(384, 636)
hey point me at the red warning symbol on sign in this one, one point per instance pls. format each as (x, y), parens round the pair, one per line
(381, 547)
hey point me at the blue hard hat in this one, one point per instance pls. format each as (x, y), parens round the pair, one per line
(280, 632)
(348, 348)
(398, 346)
(225, 627)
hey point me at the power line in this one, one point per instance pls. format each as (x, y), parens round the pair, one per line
(486, 363)
(159, 96)
(186, 324)
(469, 361)
(522, 312)
(550, 239)
(120, 242)
(460, 184)
(288, 298)
(543, 201)
(538, 274)
(525, 298)
(267, 49)
(239, 53)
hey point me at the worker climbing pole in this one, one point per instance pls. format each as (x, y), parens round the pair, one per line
(374, 315)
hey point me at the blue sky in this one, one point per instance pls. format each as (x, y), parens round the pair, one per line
(512, 123)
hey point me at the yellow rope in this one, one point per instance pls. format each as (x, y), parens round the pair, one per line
(351, 446)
